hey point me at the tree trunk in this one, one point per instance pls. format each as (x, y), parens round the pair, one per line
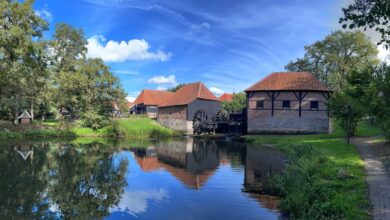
(16, 117)
(32, 112)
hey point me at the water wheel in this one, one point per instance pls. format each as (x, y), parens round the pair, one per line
(199, 121)
(222, 116)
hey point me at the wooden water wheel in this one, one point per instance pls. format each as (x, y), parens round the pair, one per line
(199, 121)
(222, 116)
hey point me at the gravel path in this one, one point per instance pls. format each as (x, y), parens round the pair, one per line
(378, 179)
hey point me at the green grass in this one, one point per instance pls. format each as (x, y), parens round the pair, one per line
(133, 128)
(310, 187)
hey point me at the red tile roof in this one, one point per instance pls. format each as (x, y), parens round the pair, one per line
(152, 97)
(288, 81)
(188, 93)
(226, 97)
(129, 104)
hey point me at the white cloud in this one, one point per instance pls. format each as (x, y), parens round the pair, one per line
(130, 98)
(163, 88)
(44, 13)
(114, 51)
(201, 27)
(169, 80)
(216, 91)
(127, 72)
(136, 202)
(384, 55)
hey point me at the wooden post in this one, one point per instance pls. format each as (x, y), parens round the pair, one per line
(300, 98)
(273, 97)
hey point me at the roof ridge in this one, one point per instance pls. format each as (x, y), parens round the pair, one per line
(199, 89)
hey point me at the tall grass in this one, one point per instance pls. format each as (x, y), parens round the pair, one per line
(324, 178)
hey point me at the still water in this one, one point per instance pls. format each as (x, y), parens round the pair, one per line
(183, 178)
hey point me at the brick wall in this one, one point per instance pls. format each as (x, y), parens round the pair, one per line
(287, 120)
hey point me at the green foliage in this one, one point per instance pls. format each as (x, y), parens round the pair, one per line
(23, 57)
(174, 89)
(47, 76)
(238, 103)
(349, 106)
(332, 59)
(380, 98)
(347, 111)
(91, 119)
(369, 14)
(310, 187)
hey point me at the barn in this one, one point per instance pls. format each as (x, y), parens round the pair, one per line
(226, 97)
(288, 102)
(148, 101)
(179, 110)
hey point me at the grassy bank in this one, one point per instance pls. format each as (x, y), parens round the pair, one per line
(135, 128)
(325, 177)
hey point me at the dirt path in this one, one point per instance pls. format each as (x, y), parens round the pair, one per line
(378, 178)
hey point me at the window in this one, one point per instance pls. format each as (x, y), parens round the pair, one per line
(286, 104)
(314, 105)
(260, 104)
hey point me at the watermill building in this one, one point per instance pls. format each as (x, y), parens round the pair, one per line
(179, 110)
(288, 102)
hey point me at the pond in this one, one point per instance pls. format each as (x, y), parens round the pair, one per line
(183, 178)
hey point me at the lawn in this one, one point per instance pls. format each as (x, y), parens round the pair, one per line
(325, 177)
(130, 128)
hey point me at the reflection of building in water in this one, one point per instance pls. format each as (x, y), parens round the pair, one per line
(191, 161)
(260, 163)
(24, 151)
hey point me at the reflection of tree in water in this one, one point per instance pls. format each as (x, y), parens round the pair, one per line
(88, 180)
(76, 181)
(23, 183)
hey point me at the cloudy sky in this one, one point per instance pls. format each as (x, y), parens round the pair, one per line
(227, 44)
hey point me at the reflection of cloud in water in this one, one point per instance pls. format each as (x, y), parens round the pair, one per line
(135, 202)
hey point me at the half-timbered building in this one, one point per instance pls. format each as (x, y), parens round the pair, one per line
(288, 102)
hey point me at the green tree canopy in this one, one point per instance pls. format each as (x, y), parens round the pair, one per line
(237, 104)
(331, 59)
(22, 56)
(373, 14)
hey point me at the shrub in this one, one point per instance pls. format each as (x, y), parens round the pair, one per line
(92, 119)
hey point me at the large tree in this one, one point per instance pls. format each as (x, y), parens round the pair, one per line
(373, 14)
(331, 59)
(22, 55)
(84, 86)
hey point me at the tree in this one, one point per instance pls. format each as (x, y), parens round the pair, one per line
(237, 104)
(83, 86)
(380, 98)
(22, 57)
(68, 45)
(350, 105)
(331, 59)
(369, 14)
(175, 88)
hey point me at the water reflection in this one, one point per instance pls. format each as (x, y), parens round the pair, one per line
(204, 179)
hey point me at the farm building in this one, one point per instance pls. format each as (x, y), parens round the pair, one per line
(288, 102)
(148, 101)
(179, 110)
(226, 97)
(25, 118)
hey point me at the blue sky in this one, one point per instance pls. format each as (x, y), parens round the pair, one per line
(227, 44)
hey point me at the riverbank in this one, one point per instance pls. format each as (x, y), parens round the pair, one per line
(325, 177)
(135, 128)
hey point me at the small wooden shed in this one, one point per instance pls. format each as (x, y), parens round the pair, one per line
(25, 118)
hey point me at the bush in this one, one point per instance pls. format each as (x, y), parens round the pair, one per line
(304, 196)
(92, 119)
